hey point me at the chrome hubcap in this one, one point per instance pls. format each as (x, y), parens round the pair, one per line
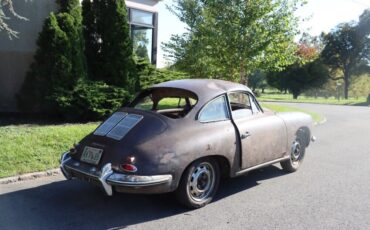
(201, 181)
(296, 151)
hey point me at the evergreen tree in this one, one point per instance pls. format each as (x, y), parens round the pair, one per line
(92, 45)
(58, 62)
(109, 49)
(70, 6)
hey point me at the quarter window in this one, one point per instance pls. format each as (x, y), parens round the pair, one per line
(255, 107)
(215, 110)
(240, 105)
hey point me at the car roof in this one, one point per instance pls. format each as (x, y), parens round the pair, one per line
(205, 89)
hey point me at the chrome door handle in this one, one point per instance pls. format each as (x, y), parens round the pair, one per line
(245, 135)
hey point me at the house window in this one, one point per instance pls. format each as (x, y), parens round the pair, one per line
(141, 17)
(144, 34)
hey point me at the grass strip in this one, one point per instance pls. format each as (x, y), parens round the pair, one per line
(32, 148)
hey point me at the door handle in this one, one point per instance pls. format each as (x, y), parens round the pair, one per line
(245, 135)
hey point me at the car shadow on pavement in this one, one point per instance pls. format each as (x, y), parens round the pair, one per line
(76, 205)
(231, 186)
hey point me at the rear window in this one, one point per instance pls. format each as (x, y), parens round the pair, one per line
(170, 102)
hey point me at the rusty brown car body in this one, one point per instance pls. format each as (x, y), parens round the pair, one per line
(215, 128)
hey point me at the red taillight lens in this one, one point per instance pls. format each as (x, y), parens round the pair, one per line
(128, 168)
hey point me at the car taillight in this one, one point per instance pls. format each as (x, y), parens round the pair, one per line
(129, 167)
(128, 164)
(130, 159)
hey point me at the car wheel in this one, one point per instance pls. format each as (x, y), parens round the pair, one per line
(296, 157)
(199, 183)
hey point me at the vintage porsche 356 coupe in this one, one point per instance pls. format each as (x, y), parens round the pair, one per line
(182, 136)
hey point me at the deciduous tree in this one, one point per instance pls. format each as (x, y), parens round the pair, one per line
(7, 5)
(306, 73)
(347, 48)
(231, 39)
(257, 80)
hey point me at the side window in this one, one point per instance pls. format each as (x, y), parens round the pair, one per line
(240, 105)
(215, 110)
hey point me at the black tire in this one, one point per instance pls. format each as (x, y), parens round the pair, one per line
(296, 156)
(199, 183)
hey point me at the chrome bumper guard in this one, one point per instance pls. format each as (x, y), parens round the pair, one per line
(109, 178)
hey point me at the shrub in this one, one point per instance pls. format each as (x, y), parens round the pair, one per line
(360, 86)
(149, 75)
(90, 100)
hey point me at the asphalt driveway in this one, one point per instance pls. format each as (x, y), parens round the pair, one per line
(330, 191)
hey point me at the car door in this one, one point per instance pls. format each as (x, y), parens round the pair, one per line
(262, 135)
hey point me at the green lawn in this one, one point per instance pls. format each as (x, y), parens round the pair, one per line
(305, 99)
(32, 148)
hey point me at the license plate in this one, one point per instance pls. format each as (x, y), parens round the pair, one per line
(91, 155)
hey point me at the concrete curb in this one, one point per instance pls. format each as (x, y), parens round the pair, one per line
(29, 176)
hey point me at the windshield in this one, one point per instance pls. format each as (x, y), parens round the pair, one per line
(171, 102)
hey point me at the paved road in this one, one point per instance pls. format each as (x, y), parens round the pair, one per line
(330, 191)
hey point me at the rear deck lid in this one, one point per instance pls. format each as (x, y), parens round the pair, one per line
(118, 125)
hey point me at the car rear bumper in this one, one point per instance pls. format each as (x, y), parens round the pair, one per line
(112, 181)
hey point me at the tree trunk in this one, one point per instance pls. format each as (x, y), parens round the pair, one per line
(243, 75)
(346, 83)
(295, 96)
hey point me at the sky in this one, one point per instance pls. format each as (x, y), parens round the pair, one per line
(321, 15)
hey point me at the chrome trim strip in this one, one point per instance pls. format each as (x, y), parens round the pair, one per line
(106, 172)
(63, 160)
(108, 178)
(158, 179)
(81, 171)
(241, 172)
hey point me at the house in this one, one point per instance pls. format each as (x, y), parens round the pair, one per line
(16, 55)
